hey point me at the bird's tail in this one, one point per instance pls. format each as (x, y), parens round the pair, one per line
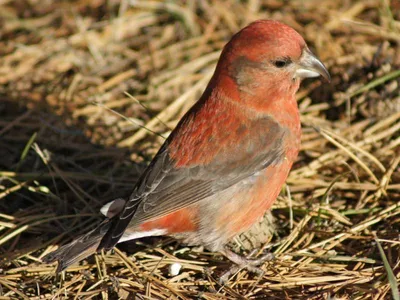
(88, 243)
(78, 249)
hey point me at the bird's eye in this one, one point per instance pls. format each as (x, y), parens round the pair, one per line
(282, 62)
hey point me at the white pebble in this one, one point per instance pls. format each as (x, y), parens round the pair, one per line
(174, 269)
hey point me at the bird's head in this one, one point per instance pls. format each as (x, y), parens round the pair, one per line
(267, 57)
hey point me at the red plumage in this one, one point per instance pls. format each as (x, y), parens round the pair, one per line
(225, 163)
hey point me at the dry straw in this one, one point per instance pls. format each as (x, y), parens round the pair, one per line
(89, 91)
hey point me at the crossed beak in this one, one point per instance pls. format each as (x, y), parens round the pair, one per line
(310, 66)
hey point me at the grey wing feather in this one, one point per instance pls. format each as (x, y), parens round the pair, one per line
(194, 186)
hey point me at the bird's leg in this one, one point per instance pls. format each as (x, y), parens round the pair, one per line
(241, 262)
(246, 262)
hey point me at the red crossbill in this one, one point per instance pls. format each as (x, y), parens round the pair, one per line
(224, 164)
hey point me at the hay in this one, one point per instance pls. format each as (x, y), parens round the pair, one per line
(89, 91)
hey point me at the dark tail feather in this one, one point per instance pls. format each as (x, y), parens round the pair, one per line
(78, 249)
(110, 240)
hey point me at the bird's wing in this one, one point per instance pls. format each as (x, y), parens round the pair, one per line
(165, 187)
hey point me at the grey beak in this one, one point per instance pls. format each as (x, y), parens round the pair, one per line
(311, 66)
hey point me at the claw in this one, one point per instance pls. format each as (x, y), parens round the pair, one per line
(244, 263)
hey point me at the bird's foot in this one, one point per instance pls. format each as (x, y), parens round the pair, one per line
(244, 263)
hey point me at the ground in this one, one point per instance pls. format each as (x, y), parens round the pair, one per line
(90, 89)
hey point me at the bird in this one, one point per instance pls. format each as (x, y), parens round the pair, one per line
(225, 163)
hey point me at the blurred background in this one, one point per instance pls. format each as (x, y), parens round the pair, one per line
(90, 89)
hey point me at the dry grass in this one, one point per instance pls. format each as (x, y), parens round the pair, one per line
(90, 88)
